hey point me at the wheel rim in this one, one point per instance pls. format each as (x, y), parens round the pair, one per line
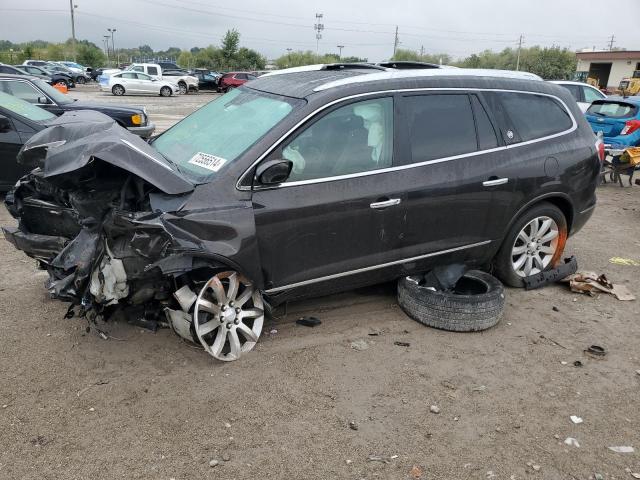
(118, 90)
(535, 246)
(165, 92)
(228, 316)
(183, 89)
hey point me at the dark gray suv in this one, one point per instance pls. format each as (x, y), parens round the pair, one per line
(305, 183)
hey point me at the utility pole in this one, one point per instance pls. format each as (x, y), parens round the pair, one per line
(421, 50)
(611, 42)
(340, 54)
(289, 56)
(113, 45)
(519, 48)
(106, 46)
(395, 42)
(318, 27)
(73, 29)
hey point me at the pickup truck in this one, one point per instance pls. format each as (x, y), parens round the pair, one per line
(186, 83)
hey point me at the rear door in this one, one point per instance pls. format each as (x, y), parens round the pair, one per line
(454, 171)
(130, 82)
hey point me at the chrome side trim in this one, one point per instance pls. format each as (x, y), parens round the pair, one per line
(373, 267)
(277, 143)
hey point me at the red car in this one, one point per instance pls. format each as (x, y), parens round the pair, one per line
(234, 79)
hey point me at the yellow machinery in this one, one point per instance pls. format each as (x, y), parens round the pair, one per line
(630, 86)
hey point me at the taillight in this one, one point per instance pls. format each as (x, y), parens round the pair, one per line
(630, 126)
(600, 149)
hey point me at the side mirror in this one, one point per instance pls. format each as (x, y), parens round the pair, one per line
(43, 101)
(273, 172)
(5, 124)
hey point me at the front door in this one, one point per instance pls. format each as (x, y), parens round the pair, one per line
(10, 143)
(338, 213)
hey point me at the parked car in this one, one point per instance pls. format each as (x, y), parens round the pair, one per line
(618, 118)
(55, 77)
(40, 93)
(207, 80)
(51, 68)
(308, 183)
(35, 63)
(134, 83)
(19, 121)
(17, 71)
(232, 80)
(584, 94)
(185, 82)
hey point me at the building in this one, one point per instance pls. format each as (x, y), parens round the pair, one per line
(607, 67)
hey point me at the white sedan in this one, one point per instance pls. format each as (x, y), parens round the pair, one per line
(582, 92)
(135, 83)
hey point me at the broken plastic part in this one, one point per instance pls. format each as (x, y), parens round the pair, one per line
(443, 278)
(185, 297)
(569, 267)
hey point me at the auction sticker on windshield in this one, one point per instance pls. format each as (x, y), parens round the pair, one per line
(208, 161)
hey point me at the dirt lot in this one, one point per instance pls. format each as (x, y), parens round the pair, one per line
(149, 406)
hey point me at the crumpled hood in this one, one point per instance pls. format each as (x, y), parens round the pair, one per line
(77, 138)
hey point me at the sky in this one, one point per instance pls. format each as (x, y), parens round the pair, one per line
(366, 28)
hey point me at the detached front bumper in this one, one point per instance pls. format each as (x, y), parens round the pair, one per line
(144, 132)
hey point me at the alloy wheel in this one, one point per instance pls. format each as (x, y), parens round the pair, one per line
(165, 91)
(228, 316)
(118, 90)
(535, 246)
(183, 88)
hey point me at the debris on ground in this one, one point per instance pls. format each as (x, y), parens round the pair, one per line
(575, 419)
(622, 449)
(624, 261)
(374, 332)
(591, 283)
(635, 475)
(535, 467)
(226, 457)
(555, 309)
(213, 463)
(308, 321)
(572, 442)
(378, 458)
(596, 351)
(273, 331)
(434, 409)
(577, 363)
(402, 344)
(569, 267)
(359, 345)
(444, 278)
(479, 388)
(416, 472)
(353, 425)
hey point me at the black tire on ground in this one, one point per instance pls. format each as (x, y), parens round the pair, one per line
(183, 88)
(81, 80)
(117, 90)
(476, 304)
(165, 92)
(502, 262)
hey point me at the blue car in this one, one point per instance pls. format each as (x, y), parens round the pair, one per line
(618, 119)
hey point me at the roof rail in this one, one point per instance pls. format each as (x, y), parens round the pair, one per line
(327, 66)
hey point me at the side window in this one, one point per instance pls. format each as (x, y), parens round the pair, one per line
(354, 138)
(591, 94)
(486, 134)
(24, 91)
(573, 89)
(241, 76)
(534, 116)
(138, 68)
(439, 126)
(152, 70)
(143, 76)
(4, 69)
(129, 76)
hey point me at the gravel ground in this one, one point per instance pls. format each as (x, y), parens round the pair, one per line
(150, 406)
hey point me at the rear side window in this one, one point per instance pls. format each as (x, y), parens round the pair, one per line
(152, 70)
(439, 126)
(574, 89)
(613, 109)
(486, 134)
(534, 116)
(129, 75)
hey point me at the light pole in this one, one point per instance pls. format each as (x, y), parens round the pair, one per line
(73, 28)
(113, 45)
(106, 46)
(318, 27)
(340, 54)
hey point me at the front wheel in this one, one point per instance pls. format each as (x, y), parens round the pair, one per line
(183, 88)
(81, 80)
(117, 90)
(534, 244)
(165, 91)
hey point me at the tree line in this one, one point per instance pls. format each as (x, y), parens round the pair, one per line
(548, 62)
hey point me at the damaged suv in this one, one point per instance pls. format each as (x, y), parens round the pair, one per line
(303, 184)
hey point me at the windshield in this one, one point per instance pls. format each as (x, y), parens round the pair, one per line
(612, 109)
(218, 133)
(24, 109)
(57, 96)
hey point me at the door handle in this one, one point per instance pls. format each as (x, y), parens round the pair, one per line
(495, 181)
(385, 203)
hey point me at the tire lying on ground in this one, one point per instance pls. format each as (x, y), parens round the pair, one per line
(476, 302)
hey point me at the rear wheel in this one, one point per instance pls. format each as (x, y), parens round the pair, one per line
(81, 80)
(535, 243)
(183, 88)
(117, 90)
(165, 91)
